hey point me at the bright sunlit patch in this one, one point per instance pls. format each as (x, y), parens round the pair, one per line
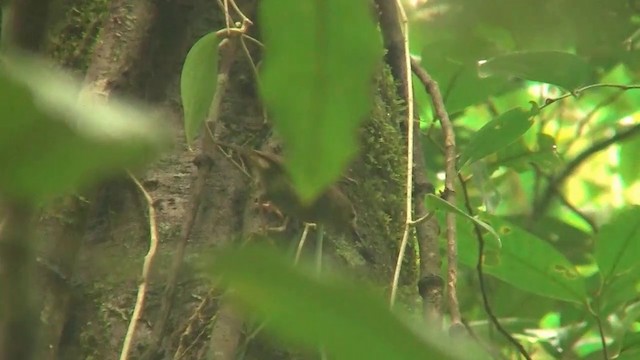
(627, 120)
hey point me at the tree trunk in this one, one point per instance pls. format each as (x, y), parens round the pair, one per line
(95, 250)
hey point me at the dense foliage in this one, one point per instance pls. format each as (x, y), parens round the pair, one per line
(543, 97)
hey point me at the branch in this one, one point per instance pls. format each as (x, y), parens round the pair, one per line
(577, 92)
(396, 31)
(480, 271)
(390, 18)
(431, 86)
(556, 182)
(146, 269)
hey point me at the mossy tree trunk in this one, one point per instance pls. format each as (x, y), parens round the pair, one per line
(94, 244)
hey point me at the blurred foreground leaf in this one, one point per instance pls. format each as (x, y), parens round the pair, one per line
(348, 321)
(524, 261)
(559, 68)
(318, 83)
(617, 247)
(50, 141)
(496, 135)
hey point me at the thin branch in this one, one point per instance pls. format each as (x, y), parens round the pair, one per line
(557, 181)
(146, 270)
(578, 212)
(253, 40)
(302, 241)
(401, 16)
(240, 13)
(605, 102)
(578, 91)
(480, 272)
(433, 90)
(202, 161)
(603, 340)
(254, 70)
(319, 248)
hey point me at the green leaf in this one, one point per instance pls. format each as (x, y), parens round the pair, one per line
(563, 69)
(198, 83)
(51, 141)
(519, 157)
(317, 83)
(348, 321)
(459, 82)
(434, 202)
(524, 261)
(629, 165)
(617, 246)
(575, 244)
(496, 135)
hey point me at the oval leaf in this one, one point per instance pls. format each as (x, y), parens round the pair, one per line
(496, 135)
(459, 81)
(317, 82)
(618, 245)
(51, 142)
(198, 83)
(348, 321)
(526, 262)
(553, 67)
(434, 202)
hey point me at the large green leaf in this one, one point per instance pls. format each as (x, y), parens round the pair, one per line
(553, 67)
(317, 83)
(496, 135)
(459, 82)
(617, 246)
(629, 165)
(198, 83)
(524, 261)
(520, 157)
(434, 202)
(50, 141)
(572, 242)
(348, 321)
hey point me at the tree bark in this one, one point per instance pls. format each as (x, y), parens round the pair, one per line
(139, 53)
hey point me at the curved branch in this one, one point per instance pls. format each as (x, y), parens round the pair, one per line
(557, 181)
(431, 86)
(479, 269)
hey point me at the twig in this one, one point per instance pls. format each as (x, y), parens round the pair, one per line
(585, 120)
(303, 239)
(146, 269)
(193, 321)
(319, 247)
(577, 92)
(480, 271)
(254, 69)
(575, 210)
(603, 340)
(239, 12)
(432, 89)
(203, 163)
(426, 217)
(557, 181)
(253, 40)
(409, 183)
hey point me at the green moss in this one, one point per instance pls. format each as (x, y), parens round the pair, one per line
(74, 31)
(381, 179)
